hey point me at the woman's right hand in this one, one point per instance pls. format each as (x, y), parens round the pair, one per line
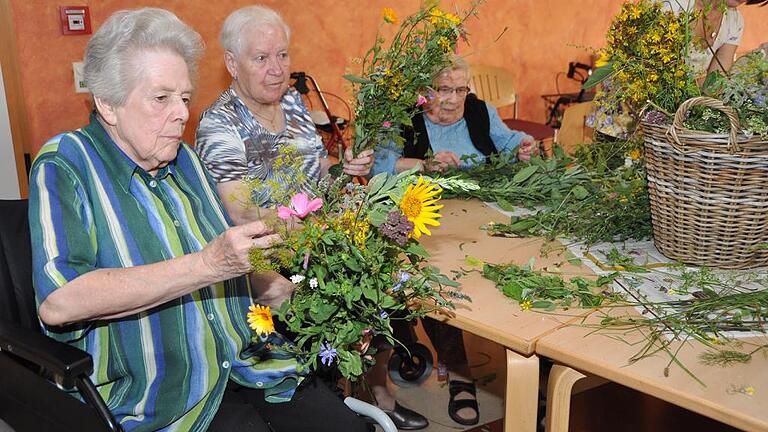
(443, 160)
(227, 256)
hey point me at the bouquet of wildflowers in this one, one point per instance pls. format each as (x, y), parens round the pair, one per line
(394, 81)
(357, 264)
(645, 60)
(647, 63)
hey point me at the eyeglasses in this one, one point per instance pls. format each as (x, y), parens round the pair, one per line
(447, 91)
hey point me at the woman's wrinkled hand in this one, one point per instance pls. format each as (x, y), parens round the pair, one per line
(525, 148)
(443, 160)
(360, 165)
(227, 256)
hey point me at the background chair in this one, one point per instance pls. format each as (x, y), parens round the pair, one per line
(28, 399)
(574, 130)
(495, 85)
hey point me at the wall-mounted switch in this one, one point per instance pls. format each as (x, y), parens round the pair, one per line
(77, 69)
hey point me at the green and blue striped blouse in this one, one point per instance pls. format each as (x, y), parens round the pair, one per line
(166, 368)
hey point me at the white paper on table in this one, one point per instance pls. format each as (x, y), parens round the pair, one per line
(661, 284)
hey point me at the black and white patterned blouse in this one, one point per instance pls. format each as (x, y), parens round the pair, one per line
(234, 145)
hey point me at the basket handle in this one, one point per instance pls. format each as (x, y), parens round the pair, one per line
(677, 123)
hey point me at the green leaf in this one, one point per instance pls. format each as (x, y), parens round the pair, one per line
(418, 249)
(505, 205)
(598, 75)
(525, 174)
(321, 312)
(543, 304)
(473, 261)
(513, 290)
(352, 265)
(377, 216)
(713, 84)
(376, 183)
(580, 192)
(356, 79)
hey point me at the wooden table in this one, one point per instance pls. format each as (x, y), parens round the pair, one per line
(490, 314)
(601, 355)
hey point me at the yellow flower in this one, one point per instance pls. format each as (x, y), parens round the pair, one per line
(389, 16)
(526, 305)
(635, 154)
(419, 206)
(603, 60)
(749, 390)
(453, 19)
(356, 230)
(260, 319)
(444, 43)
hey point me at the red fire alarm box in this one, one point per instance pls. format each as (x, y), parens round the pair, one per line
(75, 20)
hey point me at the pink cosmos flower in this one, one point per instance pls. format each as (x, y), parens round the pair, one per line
(387, 124)
(301, 206)
(421, 100)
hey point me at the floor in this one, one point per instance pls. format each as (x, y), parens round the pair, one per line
(487, 360)
(630, 411)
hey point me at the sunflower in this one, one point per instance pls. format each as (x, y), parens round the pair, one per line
(390, 17)
(419, 206)
(260, 319)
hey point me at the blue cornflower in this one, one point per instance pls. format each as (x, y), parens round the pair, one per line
(418, 40)
(759, 100)
(404, 277)
(327, 353)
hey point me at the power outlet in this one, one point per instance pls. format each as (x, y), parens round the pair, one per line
(77, 70)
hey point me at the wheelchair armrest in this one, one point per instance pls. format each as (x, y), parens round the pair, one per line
(372, 411)
(54, 356)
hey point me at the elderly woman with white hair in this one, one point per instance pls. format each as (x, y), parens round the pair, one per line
(456, 129)
(241, 135)
(135, 261)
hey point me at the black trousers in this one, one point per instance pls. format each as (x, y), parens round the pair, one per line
(314, 407)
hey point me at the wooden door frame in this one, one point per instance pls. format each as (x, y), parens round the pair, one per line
(17, 110)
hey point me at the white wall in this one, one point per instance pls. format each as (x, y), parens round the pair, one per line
(9, 182)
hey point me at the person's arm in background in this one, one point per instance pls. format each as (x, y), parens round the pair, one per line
(723, 57)
(506, 139)
(734, 29)
(389, 158)
(354, 166)
(221, 149)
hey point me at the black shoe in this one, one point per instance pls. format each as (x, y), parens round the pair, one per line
(405, 419)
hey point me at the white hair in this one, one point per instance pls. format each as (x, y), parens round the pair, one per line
(455, 62)
(249, 17)
(110, 71)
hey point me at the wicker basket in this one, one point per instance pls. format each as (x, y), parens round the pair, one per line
(708, 192)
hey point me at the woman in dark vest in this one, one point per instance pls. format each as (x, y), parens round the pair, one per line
(454, 124)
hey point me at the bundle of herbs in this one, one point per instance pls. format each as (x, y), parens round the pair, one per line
(533, 289)
(600, 196)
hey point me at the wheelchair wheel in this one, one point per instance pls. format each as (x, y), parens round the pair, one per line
(411, 366)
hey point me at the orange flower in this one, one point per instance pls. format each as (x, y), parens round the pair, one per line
(389, 16)
(260, 319)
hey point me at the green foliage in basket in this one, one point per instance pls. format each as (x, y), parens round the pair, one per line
(745, 90)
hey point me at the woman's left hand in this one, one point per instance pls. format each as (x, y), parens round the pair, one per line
(525, 148)
(360, 165)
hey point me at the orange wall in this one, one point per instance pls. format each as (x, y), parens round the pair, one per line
(542, 37)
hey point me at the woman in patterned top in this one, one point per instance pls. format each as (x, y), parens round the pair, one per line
(241, 134)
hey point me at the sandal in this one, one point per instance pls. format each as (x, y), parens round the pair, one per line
(454, 388)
